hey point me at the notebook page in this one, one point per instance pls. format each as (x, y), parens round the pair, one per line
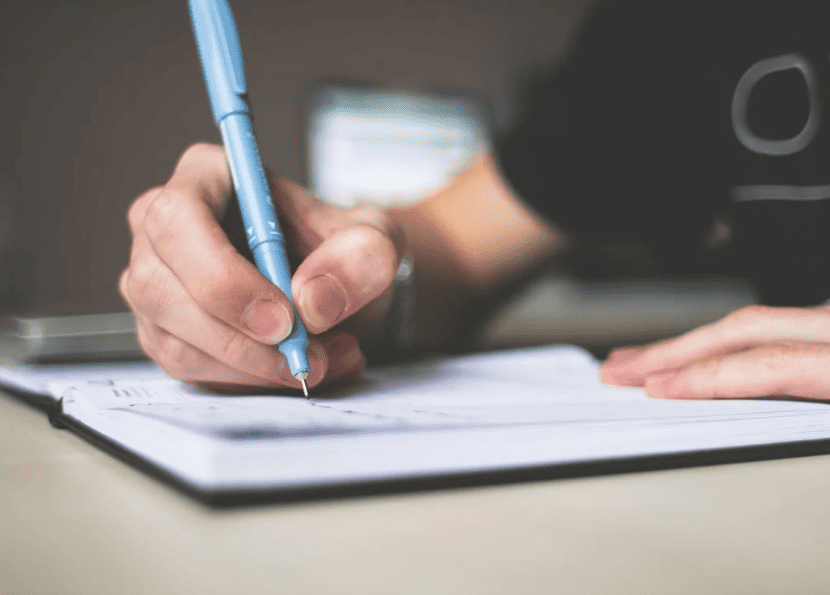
(551, 386)
(491, 411)
(36, 379)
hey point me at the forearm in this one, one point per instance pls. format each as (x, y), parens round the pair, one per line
(468, 241)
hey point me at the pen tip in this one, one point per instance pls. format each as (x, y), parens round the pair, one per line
(302, 376)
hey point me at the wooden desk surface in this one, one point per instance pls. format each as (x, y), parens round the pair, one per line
(75, 520)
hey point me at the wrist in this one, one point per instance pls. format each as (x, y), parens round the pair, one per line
(390, 332)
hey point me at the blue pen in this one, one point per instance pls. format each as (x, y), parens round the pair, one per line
(221, 58)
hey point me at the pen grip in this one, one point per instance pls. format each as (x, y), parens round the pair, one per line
(261, 226)
(249, 180)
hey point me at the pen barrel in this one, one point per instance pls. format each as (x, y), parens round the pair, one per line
(261, 226)
(249, 180)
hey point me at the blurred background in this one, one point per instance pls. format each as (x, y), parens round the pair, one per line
(100, 98)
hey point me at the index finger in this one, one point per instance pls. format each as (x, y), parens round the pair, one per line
(788, 370)
(743, 329)
(181, 224)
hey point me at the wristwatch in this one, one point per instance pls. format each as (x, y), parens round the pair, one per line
(400, 319)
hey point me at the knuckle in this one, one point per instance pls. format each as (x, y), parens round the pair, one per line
(748, 314)
(222, 289)
(196, 151)
(374, 244)
(233, 348)
(370, 215)
(141, 284)
(702, 377)
(377, 254)
(137, 210)
(162, 211)
(378, 218)
(177, 357)
(778, 358)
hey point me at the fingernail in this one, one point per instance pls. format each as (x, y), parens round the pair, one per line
(268, 320)
(323, 301)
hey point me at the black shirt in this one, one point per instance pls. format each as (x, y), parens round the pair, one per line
(663, 115)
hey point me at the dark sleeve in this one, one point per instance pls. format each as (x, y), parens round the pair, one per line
(618, 141)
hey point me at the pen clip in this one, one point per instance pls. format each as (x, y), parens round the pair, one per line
(221, 56)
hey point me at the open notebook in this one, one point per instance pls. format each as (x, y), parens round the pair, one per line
(498, 416)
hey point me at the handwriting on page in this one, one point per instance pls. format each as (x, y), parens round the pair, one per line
(554, 387)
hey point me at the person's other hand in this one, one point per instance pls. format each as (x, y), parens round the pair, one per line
(207, 315)
(757, 351)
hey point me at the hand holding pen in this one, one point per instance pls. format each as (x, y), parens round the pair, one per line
(203, 311)
(207, 315)
(221, 57)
